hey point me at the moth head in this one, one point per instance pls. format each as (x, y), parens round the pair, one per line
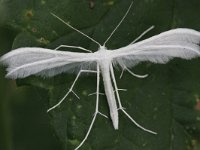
(102, 48)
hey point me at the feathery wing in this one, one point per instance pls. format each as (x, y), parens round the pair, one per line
(182, 43)
(27, 61)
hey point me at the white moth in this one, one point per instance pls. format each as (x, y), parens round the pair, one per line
(26, 61)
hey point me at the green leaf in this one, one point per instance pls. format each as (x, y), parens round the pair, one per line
(5, 138)
(166, 102)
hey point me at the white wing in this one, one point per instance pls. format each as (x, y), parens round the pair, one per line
(182, 43)
(26, 61)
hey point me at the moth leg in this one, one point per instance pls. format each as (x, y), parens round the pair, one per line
(99, 111)
(95, 94)
(96, 110)
(75, 94)
(121, 90)
(121, 107)
(103, 115)
(71, 88)
(143, 33)
(122, 73)
(69, 46)
(135, 75)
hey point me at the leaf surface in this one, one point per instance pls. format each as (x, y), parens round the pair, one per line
(167, 101)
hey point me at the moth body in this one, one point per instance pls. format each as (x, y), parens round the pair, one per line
(105, 71)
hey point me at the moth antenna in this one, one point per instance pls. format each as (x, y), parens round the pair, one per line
(143, 33)
(118, 24)
(70, 26)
